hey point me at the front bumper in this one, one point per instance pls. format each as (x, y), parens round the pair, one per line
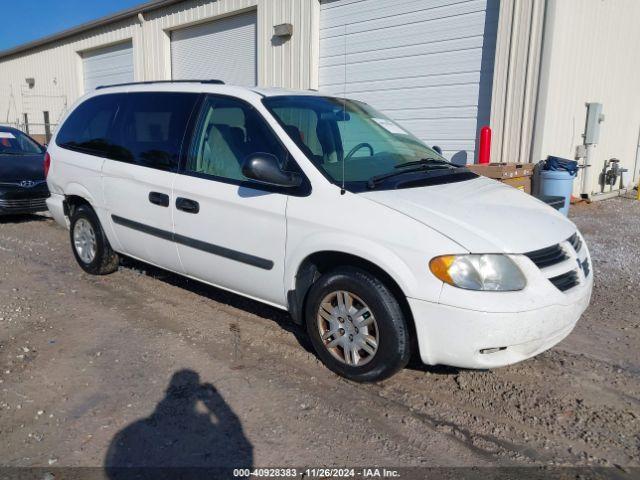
(20, 200)
(455, 336)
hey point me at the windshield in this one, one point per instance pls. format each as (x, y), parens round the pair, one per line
(350, 140)
(13, 142)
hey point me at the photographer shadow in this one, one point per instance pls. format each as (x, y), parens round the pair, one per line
(192, 433)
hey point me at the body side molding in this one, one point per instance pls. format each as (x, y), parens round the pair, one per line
(242, 257)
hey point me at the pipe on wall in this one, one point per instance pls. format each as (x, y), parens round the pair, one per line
(141, 21)
(635, 165)
(585, 189)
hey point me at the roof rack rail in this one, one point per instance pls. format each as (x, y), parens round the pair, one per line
(149, 82)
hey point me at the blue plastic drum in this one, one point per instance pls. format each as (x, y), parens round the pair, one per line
(557, 183)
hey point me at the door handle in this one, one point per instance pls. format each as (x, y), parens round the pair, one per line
(158, 198)
(186, 205)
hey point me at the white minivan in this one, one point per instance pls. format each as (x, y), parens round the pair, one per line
(326, 208)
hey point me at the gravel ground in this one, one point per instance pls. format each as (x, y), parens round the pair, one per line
(143, 367)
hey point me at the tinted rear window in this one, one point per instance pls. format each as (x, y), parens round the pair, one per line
(87, 128)
(150, 127)
(145, 128)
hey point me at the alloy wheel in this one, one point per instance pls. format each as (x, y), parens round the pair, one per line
(84, 240)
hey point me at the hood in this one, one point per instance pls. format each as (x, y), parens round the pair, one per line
(482, 215)
(14, 168)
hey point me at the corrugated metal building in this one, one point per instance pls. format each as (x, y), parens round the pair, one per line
(442, 68)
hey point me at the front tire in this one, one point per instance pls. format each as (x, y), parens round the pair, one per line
(89, 243)
(356, 325)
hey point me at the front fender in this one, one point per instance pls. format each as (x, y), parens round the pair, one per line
(353, 225)
(368, 250)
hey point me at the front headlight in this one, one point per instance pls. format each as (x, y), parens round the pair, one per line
(491, 272)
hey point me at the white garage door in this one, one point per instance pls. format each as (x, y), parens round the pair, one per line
(224, 49)
(109, 65)
(426, 63)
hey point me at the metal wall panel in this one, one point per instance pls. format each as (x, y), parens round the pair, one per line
(57, 66)
(282, 62)
(57, 70)
(592, 51)
(108, 66)
(159, 25)
(428, 64)
(224, 49)
(515, 81)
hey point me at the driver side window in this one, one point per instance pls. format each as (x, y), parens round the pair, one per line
(228, 132)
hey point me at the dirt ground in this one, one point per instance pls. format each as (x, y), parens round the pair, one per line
(143, 367)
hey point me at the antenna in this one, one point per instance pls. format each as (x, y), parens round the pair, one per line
(344, 101)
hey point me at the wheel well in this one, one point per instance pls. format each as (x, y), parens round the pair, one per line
(71, 202)
(321, 262)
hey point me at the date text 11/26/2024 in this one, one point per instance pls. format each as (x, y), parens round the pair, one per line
(317, 472)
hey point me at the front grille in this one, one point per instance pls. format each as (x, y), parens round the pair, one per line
(545, 257)
(565, 281)
(575, 242)
(555, 254)
(32, 204)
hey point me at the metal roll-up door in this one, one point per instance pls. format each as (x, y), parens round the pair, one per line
(224, 49)
(428, 64)
(108, 65)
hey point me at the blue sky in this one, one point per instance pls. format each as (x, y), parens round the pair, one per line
(26, 20)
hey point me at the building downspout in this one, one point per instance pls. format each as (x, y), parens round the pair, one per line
(142, 21)
(637, 162)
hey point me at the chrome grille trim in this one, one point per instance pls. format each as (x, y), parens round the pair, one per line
(31, 184)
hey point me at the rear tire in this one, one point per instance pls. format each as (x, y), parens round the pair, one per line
(348, 309)
(89, 243)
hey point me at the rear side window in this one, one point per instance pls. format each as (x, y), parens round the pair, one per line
(88, 127)
(151, 126)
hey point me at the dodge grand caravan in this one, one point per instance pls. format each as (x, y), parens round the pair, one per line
(326, 208)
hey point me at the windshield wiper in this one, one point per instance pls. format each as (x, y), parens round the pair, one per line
(425, 161)
(418, 167)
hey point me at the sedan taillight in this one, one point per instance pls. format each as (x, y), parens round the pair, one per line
(47, 164)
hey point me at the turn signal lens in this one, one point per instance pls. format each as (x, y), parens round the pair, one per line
(491, 272)
(440, 267)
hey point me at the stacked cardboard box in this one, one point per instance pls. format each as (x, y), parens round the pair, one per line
(518, 175)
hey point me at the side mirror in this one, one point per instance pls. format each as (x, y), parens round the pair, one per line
(265, 168)
(437, 149)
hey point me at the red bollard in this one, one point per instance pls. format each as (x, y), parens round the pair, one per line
(484, 153)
